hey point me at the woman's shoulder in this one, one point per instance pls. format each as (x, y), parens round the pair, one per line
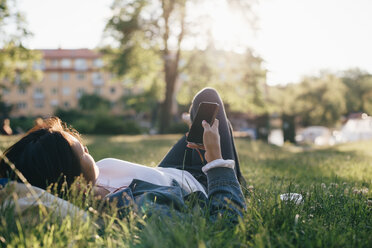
(110, 161)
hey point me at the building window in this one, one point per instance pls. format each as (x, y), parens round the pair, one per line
(39, 103)
(54, 63)
(22, 91)
(54, 76)
(97, 75)
(98, 63)
(80, 76)
(112, 90)
(21, 105)
(6, 91)
(38, 93)
(97, 78)
(81, 64)
(17, 79)
(80, 92)
(54, 91)
(66, 104)
(54, 103)
(39, 65)
(66, 63)
(66, 91)
(38, 90)
(66, 76)
(97, 91)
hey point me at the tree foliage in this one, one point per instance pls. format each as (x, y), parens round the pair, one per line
(239, 78)
(94, 116)
(93, 102)
(324, 99)
(147, 34)
(5, 109)
(143, 27)
(16, 61)
(145, 102)
(359, 97)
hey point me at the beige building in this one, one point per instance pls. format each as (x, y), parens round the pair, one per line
(67, 75)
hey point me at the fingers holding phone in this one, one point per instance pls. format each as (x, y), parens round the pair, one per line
(207, 111)
(204, 136)
(211, 138)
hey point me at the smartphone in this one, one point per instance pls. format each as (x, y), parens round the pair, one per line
(206, 111)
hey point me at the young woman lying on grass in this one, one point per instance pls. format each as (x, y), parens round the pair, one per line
(50, 152)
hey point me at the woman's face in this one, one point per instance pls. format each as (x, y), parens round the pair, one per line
(88, 166)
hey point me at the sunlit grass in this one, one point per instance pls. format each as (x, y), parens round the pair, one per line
(147, 150)
(336, 212)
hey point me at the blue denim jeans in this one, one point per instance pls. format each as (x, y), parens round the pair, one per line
(184, 158)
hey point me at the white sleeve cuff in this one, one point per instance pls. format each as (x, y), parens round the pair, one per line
(218, 163)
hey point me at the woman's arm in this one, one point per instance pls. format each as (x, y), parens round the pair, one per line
(224, 192)
(225, 196)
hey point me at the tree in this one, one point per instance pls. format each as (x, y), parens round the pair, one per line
(16, 61)
(315, 101)
(137, 33)
(240, 78)
(251, 85)
(145, 102)
(359, 85)
(321, 101)
(5, 109)
(157, 26)
(93, 102)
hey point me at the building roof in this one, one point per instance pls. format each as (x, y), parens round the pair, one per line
(70, 53)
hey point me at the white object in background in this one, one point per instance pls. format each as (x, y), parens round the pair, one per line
(317, 135)
(356, 130)
(276, 137)
(296, 198)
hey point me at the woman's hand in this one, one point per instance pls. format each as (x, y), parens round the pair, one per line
(211, 139)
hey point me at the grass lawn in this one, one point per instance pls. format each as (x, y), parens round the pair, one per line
(336, 185)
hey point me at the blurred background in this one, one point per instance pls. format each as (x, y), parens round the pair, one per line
(288, 71)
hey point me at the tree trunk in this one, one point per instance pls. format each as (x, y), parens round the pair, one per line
(166, 108)
(170, 66)
(171, 75)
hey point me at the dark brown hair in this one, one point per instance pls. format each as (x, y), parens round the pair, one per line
(44, 155)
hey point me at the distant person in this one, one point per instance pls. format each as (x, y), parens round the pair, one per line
(5, 127)
(52, 150)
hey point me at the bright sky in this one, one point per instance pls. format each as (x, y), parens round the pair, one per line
(295, 37)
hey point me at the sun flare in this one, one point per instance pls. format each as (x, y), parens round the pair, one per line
(230, 30)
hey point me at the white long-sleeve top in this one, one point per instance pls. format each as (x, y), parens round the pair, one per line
(116, 174)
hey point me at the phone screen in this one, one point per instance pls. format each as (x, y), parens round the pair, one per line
(206, 111)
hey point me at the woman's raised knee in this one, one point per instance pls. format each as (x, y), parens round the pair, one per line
(208, 94)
